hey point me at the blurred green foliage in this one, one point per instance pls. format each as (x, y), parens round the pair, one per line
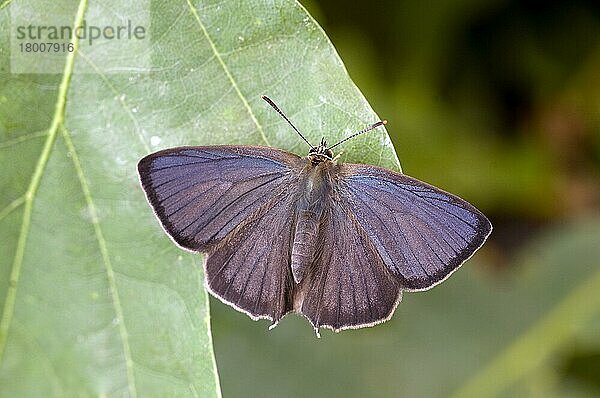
(498, 102)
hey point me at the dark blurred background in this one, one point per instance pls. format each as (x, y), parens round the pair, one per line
(498, 102)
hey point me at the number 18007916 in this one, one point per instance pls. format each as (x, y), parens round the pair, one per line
(34, 47)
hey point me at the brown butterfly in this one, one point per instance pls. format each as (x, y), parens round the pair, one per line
(337, 243)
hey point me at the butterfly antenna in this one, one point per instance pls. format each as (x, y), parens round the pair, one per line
(270, 102)
(371, 127)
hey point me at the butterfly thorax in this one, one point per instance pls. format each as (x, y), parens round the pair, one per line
(316, 186)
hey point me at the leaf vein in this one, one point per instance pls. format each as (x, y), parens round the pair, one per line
(110, 273)
(12, 206)
(22, 138)
(7, 2)
(228, 73)
(57, 119)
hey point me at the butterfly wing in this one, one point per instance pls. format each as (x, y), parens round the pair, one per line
(348, 285)
(251, 269)
(420, 232)
(235, 203)
(384, 232)
(200, 194)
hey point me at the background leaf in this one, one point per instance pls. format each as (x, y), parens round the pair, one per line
(95, 299)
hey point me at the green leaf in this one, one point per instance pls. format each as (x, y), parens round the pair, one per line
(95, 300)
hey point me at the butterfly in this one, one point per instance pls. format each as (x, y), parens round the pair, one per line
(337, 243)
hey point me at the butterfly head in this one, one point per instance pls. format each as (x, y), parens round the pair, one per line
(320, 153)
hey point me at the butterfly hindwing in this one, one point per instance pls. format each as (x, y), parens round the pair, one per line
(250, 269)
(348, 284)
(420, 232)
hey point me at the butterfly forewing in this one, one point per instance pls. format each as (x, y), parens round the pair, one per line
(420, 232)
(200, 194)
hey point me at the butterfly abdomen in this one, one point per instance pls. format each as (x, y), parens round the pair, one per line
(305, 240)
(308, 218)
